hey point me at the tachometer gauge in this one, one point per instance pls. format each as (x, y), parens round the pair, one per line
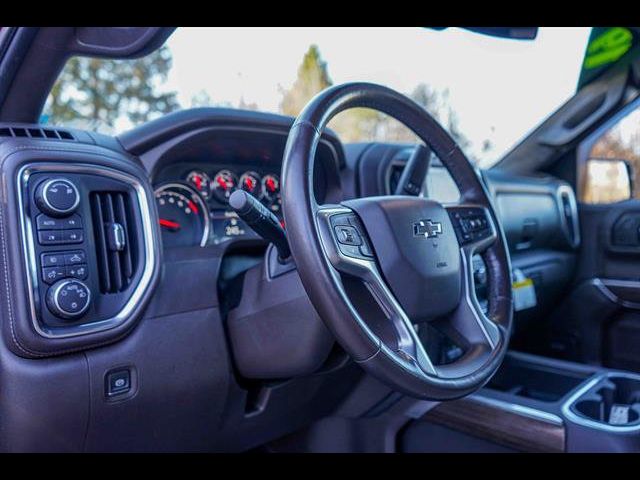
(271, 188)
(201, 182)
(250, 182)
(223, 185)
(184, 217)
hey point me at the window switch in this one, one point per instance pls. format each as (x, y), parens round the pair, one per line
(118, 382)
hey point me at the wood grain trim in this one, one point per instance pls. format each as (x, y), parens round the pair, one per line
(491, 421)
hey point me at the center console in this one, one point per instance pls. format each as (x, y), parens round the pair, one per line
(541, 404)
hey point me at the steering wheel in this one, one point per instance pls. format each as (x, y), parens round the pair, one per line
(413, 255)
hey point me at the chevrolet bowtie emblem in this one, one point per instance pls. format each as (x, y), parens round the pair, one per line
(427, 229)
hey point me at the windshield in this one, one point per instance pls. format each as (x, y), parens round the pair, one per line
(488, 92)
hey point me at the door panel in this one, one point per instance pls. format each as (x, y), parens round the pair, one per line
(598, 320)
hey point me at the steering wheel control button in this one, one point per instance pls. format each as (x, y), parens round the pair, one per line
(118, 382)
(365, 250)
(69, 299)
(57, 197)
(351, 251)
(470, 224)
(51, 275)
(348, 235)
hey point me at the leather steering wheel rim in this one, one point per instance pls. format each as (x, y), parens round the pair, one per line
(403, 366)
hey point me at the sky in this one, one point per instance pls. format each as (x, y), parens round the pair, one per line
(500, 89)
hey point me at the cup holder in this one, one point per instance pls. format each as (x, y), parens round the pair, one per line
(614, 400)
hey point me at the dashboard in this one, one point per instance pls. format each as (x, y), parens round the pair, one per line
(173, 305)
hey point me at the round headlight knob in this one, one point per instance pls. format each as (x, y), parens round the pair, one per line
(69, 299)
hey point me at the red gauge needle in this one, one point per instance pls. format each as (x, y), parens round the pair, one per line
(193, 207)
(222, 183)
(169, 223)
(198, 180)
(271, 185)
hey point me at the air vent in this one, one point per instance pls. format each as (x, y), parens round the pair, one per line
(24, 132)
(115, 251)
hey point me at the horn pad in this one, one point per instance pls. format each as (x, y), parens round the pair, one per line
(417, 249)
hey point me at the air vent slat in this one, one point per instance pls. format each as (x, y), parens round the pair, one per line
(121, 218)
(101, 246)
(114, 242)
(114, 261)
(36, 132)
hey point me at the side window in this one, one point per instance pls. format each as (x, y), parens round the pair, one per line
(612, 167)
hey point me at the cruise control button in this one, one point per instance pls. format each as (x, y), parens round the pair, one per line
(52, 259)
(348, 235)
(77, 271)
(52, 274)
(50, 237)
(45, 222)
(74, 258)
(73, 236)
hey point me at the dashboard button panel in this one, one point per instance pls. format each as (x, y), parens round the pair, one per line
(71, 247)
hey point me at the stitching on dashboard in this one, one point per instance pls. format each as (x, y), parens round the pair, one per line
(8, 285)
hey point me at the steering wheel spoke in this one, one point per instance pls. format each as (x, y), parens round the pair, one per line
(476, 232)
(339, 227)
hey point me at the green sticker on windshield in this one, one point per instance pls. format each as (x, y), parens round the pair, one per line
(608, 47)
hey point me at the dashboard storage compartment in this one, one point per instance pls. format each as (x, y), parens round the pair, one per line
(536, 381)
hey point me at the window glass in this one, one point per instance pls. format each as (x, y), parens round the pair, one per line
(613, 164)
(488, 92)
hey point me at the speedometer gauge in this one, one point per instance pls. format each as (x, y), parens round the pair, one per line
(223, 185)
(184, 217)
(201, 182)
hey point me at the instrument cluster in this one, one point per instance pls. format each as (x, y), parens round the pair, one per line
(194, 208)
